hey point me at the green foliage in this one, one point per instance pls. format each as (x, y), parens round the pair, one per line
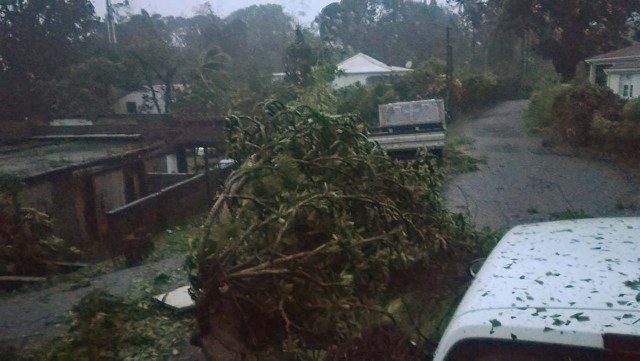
(27, 243)
(631, 111)
(209, 88)
(569, 214)
(458, 159)
(582, 114)
(310, 227)
(105, 327)
(89, 89)
(539, 114)
(40, 39)
(481, 91)
(392, 31)
(578, 106)
(428, 81)
(566, 32)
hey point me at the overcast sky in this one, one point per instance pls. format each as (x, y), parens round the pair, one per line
(305, 11)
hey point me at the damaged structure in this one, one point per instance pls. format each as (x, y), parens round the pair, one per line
(104, 179)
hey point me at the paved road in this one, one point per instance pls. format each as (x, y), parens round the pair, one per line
(34, 318)
(523, 181)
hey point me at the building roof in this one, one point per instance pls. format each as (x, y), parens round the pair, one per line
(364, 64)
(566, 282)
(37, 158)
(633, 64)
(628, 52)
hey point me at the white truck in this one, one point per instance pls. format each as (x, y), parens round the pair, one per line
(565, 290)
(410, 126)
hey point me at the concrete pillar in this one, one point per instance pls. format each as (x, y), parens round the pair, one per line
(592, 73)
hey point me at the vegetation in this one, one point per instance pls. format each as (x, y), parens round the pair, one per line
(309, 229)
(564, 32)
(582, 114)
(27, 244)
(569, 214)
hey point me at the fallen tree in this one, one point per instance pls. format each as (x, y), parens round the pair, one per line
(297, 252)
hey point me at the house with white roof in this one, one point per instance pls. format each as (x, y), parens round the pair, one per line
(619, 70)
(141, 101)
(360, 68)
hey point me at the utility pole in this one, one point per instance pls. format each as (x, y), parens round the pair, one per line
(111, 24)
(449, 74)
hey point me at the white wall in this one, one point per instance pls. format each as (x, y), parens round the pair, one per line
(615, 81)
(350, 79)
(143, 107)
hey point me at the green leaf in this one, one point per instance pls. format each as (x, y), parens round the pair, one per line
(580, 317)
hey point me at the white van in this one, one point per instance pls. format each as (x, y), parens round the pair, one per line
(567, 290)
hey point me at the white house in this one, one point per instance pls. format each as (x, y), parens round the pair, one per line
(360, 68)
(619, 70)
(141, 101)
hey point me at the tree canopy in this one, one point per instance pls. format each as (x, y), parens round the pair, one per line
(395, 31)
(39, 39)
(565, 32)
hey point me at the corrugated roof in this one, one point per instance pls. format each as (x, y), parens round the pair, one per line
(633, 50)
(40, 158)
(361, 63)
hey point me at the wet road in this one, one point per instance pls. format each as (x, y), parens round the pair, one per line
(523, 182)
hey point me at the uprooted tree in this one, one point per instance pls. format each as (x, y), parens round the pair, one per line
(298, 249)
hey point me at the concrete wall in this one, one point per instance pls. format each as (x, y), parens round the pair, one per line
(165, 208)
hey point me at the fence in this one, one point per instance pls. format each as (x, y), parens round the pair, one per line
(166, 208)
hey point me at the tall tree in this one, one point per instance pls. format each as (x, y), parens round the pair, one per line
(394, 31)
(159, 54)
(568, 31)
(39, 39)
(299, 59)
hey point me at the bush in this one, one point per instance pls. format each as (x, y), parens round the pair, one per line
(303, 240)
(631, 111)
(579, 107)
(581, 113)
(539, 114)
(482, 91)
(27, 244)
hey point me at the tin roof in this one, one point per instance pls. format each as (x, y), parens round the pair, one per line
(41, 157)
(566, 282)
(364, 64)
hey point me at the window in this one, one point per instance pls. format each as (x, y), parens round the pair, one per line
(625, 91)
(131, 107)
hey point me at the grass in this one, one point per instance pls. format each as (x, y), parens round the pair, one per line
(177, 240)
(569, 214)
